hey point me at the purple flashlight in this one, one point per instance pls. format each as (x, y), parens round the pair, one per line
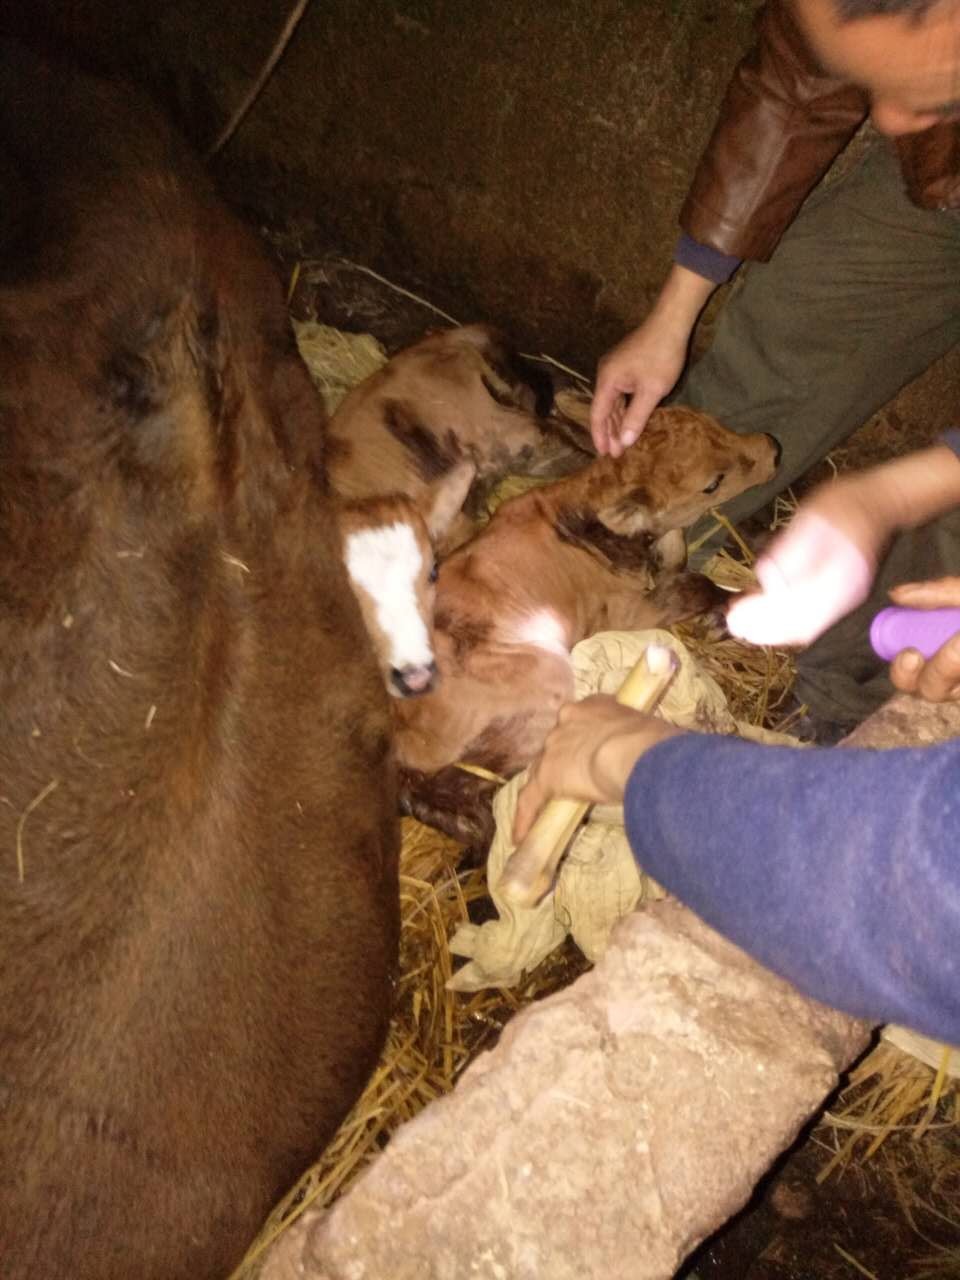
(926, 630)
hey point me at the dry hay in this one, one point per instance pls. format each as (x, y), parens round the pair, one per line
(757, 681)
(892, 1091)
(337, 361)
(897, 1111)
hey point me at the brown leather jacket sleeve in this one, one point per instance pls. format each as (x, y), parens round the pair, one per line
(782, 123)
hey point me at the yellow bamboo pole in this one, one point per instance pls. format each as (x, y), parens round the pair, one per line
(529, 871)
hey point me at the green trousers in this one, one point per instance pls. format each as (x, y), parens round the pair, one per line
(861, 295)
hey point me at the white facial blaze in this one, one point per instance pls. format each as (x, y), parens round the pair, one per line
(386, 563)
(545, 630)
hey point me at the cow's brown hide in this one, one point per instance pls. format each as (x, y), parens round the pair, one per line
(198, 899)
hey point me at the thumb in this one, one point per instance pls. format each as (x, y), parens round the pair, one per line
(530, 801)
(635, 418)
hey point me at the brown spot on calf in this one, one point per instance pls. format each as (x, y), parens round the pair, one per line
(430, 455)
(195, 964)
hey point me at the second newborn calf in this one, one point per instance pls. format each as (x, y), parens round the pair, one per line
(599, 550)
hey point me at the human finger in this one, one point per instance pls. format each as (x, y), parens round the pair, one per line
(936, 594)
(637, 413)
(530, 800)
(905, 670)
(606, 410)
(938, 679)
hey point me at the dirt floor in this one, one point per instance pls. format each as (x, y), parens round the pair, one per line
(894, 1216)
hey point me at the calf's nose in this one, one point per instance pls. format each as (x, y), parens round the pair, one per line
(408, 682)
(777, 448)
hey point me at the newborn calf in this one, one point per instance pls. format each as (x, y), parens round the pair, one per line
(600, 550)
(388, 548)
(460, 395)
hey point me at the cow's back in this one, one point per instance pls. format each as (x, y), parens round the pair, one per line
(197, 832)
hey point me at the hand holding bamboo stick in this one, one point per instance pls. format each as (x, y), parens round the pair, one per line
(530, 869)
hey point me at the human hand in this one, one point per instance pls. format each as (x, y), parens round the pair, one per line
(647, 363)
(935, 679)
(588, 756)
(821, 567)
(644, 366)
(818, 569)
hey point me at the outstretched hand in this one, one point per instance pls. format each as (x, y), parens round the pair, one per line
(935, 679)
(588, 755)
(822, 566)
(644, 366)
(817, 570)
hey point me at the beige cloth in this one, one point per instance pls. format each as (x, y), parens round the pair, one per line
(599, 881)
(936, 1054)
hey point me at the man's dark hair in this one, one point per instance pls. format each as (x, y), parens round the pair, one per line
(848, 10)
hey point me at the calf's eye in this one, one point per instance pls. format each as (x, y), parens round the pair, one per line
(712, 488)
(434, 573)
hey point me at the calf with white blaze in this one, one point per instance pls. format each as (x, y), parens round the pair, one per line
(601, 550)
(388, 548)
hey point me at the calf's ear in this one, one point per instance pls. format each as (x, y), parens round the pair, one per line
(628, 514)
(447, 496)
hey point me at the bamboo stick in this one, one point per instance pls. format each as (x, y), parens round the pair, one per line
(529, 871)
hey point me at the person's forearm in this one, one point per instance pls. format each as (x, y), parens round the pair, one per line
(910, 491)
(835, 867)
(682, 298)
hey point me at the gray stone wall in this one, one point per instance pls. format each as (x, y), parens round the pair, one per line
(516, 161)
(522, 161)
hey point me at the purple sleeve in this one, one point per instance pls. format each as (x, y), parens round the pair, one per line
(951, 439)
(836, 867)
(704, 260)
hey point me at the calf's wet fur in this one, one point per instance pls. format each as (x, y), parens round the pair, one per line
(599, 550)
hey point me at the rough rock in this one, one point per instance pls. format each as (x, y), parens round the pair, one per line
(614, 1126)
(907, 722)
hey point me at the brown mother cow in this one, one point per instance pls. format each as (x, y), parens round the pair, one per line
(197, 836)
